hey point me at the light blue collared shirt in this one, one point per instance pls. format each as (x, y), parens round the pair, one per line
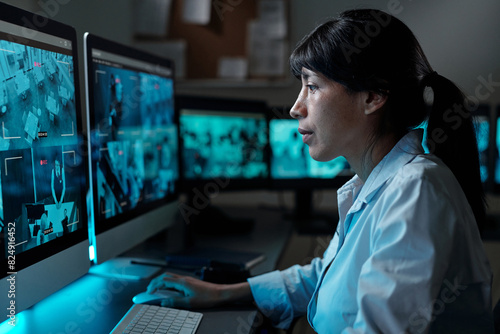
(406, 257)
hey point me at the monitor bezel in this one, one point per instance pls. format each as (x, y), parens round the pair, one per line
(92, 41)
(229, 106)
(26, 19)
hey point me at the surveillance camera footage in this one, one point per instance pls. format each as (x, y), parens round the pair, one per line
(134, 137)
(41, 168)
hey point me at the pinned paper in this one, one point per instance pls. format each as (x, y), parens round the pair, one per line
(267, 43)
(196, 11)
(233, 68)
(267, 56)
(152, 17)
(272, 14)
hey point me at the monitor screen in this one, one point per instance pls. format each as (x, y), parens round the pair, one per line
(133, 135)
(495, 151)
(225, 140)
(482, 122)
(43, 165)
(292, 166)
(290, 157)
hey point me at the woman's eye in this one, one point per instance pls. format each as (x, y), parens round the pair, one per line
(312, 88)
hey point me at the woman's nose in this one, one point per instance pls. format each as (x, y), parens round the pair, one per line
(298, 110)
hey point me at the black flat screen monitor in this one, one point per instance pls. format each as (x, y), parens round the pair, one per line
(483, 120)
(495, 157)
(43, 167)
(133, 131)
(292, 168)
(224, 141)
(224, 147)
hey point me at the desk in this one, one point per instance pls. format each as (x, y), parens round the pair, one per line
(22, 84)
(51, 105)
(31, 126)
(3, 97)
(39, 76)
(51, 69)
(95, 304)
(63, 94)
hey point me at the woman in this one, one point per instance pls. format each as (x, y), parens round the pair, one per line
(407, 255)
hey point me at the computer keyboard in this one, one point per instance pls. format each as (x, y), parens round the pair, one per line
(156, 319)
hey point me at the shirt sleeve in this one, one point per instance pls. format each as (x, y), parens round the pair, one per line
(283, 295)
(409, 248)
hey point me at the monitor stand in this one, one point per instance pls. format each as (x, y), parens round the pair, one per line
(307, 220)
(129, 268)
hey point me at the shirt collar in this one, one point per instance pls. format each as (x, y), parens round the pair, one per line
(403, 152)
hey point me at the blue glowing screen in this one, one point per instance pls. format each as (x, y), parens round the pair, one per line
(42, 174)
(482, 125)
(290, 157)
(497, 155)
(223, 144)
(134, 139)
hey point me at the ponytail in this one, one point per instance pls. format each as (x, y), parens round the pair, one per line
(451, 136)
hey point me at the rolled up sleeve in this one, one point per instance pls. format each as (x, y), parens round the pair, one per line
(283, 295)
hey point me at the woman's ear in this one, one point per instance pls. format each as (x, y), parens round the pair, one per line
(374, 102)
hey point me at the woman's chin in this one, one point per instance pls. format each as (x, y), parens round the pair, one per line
(320, 155)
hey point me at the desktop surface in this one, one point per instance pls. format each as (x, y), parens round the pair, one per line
(95, 304)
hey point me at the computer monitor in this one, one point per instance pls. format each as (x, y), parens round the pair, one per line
(224, 147)
(292, 168)
(484, 136)
(495, 155)
(223, 138)
(134, 165)
(43, 169)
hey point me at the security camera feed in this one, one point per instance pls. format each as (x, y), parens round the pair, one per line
(134, 136)
(482, 124)
(290, 157)
(223, 144)
(42, 173)
(497, 154)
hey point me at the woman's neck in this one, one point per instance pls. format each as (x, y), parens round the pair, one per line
(372, 156)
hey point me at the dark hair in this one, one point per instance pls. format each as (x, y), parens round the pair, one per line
(370, 50)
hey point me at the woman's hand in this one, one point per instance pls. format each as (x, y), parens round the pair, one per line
(198, 293)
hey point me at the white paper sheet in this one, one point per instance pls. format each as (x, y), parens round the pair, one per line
(196, 11)
(152, 17)
(267, 56)
(233, 68)
(272, 13)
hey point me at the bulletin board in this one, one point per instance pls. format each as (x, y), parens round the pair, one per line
(224, 36)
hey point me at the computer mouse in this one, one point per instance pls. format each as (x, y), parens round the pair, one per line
(156, 297)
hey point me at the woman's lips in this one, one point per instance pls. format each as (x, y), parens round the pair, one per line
(305, 134)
